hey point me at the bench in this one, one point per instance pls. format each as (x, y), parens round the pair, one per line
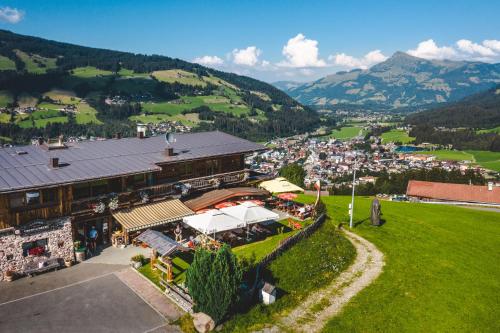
(48, 264)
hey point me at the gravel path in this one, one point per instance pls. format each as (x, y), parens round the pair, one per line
(313, 313)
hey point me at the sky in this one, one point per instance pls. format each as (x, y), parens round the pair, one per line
(269, 40)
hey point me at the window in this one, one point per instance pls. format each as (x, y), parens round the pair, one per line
(32, 198)
(99, 187)
(81, 191)
(50, 195)
(16, 200)
(35, 248)
(139, 180)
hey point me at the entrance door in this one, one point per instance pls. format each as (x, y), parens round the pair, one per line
(101, 226)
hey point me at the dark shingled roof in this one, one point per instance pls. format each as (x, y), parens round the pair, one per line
(28, 166)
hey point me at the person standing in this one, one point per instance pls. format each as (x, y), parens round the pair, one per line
(93, 234)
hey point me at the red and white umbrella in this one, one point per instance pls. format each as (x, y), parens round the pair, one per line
(225, 204)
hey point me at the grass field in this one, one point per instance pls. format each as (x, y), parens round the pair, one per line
(489, 130)
(7, 64)
(86, 114)
(25, 100)
(35, 63)
(89, 72)
(5, 98)
(441, 272)
(62, 96)
(180, 76)
(396, 135)
(486, 159)
(346, 133)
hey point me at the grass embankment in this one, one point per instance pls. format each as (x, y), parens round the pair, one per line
(346, 133)
(441, 272)
(307, 266)
(396, 135)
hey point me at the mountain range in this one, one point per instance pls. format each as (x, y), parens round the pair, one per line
(402, 81)
(48, 88)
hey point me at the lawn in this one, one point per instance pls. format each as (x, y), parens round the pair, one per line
(396, 135)
(449, 155)
(7, 64)
(441, 272)
(486, 159)
(179, 76)
(258, 250)
(346, 133)
(5, 98)
(35, 63)
(489, 130)
(181, 262)
(304, 268)
(86, 114)
(62, 96)
(89, 72)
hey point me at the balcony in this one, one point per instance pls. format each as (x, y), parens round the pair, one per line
(136, 197)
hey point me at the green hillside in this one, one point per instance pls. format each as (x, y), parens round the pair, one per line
(441, 272)
(53, 88)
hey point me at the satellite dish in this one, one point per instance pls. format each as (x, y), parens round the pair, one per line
(169, 138)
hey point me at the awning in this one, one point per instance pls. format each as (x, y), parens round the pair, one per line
(280, 185)
(153, 214)
(159, 242)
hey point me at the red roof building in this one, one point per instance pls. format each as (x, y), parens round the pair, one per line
(486, 194)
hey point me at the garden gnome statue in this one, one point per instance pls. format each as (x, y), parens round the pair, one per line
(375, 212)
(178, 233)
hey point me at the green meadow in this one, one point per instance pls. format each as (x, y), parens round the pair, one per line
(346, 133)
(7, 64)
(441, 272)
(36, 64)
(396, 135)
(486, 159)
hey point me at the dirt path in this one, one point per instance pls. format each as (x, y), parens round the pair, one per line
(313, 313)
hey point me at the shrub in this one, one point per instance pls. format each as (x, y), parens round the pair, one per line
(138, 258)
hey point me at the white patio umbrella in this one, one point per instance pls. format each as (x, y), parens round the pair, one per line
(213, 221)
(250, 213)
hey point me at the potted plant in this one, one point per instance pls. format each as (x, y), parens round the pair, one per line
(79, 251)
(68, 262)
(137, 261)
(9, 276)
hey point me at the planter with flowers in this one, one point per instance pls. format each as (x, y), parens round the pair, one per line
(113, 201)
(9, 276)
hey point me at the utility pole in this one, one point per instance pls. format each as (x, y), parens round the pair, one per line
(351, 206)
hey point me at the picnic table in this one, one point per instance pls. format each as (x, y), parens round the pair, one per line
(46, 265)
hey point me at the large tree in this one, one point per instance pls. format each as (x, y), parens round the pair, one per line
(294, 173)
(213, 280)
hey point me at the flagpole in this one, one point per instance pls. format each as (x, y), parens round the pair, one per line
(351, 210)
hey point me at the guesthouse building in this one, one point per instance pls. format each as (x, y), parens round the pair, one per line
(53, 194)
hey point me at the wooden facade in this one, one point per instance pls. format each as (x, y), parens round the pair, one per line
(77, 199)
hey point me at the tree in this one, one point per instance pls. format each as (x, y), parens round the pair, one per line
(213, 280)
(294, 173)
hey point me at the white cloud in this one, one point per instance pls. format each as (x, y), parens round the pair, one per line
(429, 50)
(11, 15)
(368, 60)
(246, 57)
(302, 52)
(209, 60)
(469, 47)
(492, 44)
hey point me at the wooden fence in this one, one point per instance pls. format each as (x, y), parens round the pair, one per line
(291, 241)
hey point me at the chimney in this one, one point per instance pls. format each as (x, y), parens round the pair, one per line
(490, 186)
(141, 131)
(169, 151)
(54, 162)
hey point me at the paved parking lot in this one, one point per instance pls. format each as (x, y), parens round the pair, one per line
(84, 298)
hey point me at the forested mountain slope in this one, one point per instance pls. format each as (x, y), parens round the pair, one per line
(50, 88)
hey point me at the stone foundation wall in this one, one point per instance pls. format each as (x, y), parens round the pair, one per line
(59, 245)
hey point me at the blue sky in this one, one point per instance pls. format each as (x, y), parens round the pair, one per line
(270, 40)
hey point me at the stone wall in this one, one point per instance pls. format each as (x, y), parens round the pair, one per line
(59, 245)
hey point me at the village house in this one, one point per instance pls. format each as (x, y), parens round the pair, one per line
(53, 194)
